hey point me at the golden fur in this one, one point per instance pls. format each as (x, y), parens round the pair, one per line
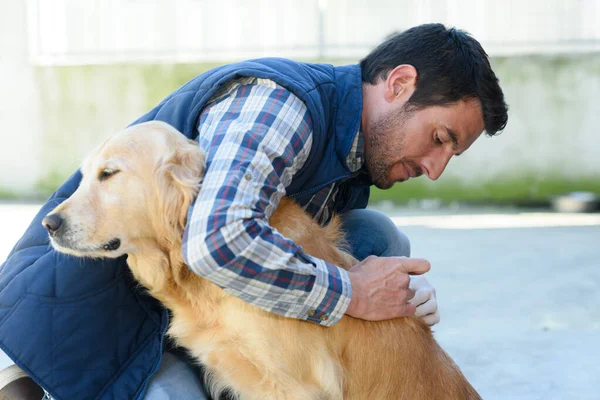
(257, 354)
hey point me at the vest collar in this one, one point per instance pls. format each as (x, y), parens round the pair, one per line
(348, 136)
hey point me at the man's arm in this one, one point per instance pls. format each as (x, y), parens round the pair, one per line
(256, 139)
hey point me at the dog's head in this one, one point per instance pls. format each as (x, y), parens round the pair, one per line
(137, 186)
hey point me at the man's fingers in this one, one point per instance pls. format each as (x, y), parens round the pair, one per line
(409, 309)
(414, 266)
(411, 295)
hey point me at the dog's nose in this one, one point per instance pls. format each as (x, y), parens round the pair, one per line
(52, 223)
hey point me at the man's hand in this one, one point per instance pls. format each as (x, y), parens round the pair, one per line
(424, 300)
(380, 287)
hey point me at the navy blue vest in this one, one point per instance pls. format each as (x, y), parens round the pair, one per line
(82, 328)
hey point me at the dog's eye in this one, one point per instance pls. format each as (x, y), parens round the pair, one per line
(107, 173)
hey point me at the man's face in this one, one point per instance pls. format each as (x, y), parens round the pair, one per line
(402, 143)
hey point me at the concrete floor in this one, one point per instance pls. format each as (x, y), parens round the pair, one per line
(520, 307)
(519, 295)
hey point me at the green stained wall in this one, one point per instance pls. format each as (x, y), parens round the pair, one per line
(549, 147)
(83, 105)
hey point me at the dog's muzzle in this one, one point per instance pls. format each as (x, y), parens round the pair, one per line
(55, 224)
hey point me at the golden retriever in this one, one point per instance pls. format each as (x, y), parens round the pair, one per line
(133, 199)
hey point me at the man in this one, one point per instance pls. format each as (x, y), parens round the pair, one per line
(272, 127)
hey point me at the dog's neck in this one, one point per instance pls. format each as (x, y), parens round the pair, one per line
(159, 266)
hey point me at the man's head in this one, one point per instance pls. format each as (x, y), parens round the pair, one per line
(429, 93)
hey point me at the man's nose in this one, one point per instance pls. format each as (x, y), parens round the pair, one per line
(436, 166)
(52, 223)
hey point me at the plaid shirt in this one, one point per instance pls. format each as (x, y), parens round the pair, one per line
(256, 136)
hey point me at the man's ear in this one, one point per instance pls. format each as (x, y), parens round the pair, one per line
(400, 83)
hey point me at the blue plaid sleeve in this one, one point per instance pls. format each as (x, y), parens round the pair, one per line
(256, 137)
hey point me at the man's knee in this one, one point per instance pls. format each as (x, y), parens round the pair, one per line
(399, 246)
(371, 232)
(175, 379)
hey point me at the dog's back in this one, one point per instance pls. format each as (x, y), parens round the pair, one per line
(397, 359)
(381, 360)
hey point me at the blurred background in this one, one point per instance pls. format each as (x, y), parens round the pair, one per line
(76, 71)
(519, 288)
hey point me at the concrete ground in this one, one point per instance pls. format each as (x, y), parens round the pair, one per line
(519, 295)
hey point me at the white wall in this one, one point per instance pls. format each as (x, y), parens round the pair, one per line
(20, 122)
(52, 116)
(105, 31)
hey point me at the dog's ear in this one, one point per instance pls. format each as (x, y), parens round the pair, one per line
(179, 178)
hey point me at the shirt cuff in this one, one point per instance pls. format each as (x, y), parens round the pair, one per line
(330, 296)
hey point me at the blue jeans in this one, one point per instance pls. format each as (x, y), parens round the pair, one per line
(368, 233)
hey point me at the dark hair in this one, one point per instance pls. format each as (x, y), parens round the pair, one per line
(451, 66)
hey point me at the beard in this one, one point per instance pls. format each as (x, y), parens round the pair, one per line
(383, 143)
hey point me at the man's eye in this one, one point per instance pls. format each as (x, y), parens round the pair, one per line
(107, 173)
(437, 139)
